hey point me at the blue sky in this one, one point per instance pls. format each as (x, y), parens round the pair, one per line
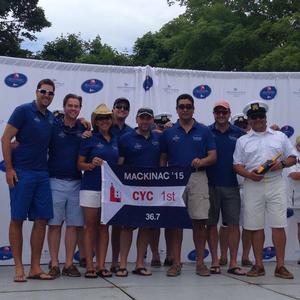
(118, 22)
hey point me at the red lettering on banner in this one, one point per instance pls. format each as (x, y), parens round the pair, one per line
(142, 195)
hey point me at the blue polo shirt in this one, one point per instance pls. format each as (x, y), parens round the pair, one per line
(34, 133)
(118, 132)
(221, 173)
(63, 150)
(182, 147)
(139, 151)
(97, 146)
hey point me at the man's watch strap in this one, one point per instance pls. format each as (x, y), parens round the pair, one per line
(283, 163)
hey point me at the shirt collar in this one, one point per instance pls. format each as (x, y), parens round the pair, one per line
(268, 131)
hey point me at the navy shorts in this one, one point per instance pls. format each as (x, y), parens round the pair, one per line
(31, 197)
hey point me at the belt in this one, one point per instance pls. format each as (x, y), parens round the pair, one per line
(197, 169)
(65, 178)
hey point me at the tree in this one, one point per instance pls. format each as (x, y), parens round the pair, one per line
(227, 35)
(19, 20)
(72, 48)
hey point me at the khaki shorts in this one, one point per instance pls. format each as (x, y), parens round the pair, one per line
(265, 200)
(196, 197)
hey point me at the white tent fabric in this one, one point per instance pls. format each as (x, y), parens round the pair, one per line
(157, 88)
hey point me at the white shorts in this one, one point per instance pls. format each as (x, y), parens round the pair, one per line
(267, 197)
(90, 198)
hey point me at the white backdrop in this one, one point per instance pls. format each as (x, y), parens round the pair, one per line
(281, 91)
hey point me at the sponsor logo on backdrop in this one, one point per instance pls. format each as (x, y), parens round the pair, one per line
(193, 257)
(170, 90)
(57, 83)
(289, 212)
(202, 91)
(235, 92)
(126, 87)
(15, 80)
(268, 92)
(148, 83)
(297, 92)
(269, 252)
(287, 130)
(2, 166)
(5, 253)
(91, 86)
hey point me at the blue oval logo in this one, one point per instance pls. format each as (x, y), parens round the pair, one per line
(148, 83)
(269, 252)
(289, 212)
(202, 91)
(2, 166)
(92, 86)
(5, 253)
(287, 130)
(15, 80)
(193, 257)
(76, 256)
(268, 93)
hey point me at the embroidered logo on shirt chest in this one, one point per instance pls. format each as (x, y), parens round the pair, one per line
(197, 138)
(62, 134)
(137, 146)
(100, 146)
(175, 138)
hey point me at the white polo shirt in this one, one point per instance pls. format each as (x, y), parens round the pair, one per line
(255, 148)
(294, 185)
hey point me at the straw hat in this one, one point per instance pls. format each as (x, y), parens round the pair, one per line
(101, 109)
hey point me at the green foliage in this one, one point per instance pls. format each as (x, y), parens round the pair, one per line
(19, 20)
(72, 48)
(229, 35)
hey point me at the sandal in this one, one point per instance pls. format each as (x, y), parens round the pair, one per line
(104, 273)
(114, 269)
(122, 272)
(236, 271)
(90, 274)
(174, 271)
(215, 270)
(141, 271)
(40, 276)
(155, 263)
(20, 278)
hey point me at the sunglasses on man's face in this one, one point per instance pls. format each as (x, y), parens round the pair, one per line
(221, 112)
(102, 118)
(124, 107)
(185, 106)
(258, 116)
(44, 92)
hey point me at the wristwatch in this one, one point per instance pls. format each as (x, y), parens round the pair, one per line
(283, 163)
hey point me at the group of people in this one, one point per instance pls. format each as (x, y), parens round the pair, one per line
(53, 170)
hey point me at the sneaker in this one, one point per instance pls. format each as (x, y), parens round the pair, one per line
(283, 272)
(71, 271)
(175, 270)
(202, 270)
(54, 272)
(256, 271)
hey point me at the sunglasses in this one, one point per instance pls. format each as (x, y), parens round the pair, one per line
(185, 106)
(124, 107)
(44, 92)
(221, 112)
(102, 118)
(258, 116)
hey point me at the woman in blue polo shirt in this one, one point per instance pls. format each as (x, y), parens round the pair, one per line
(101, 146)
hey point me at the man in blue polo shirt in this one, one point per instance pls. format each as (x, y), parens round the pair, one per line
(189, 143)
(224, 192)
(65, 180)
(138, 148)
(27, 176)
(120, 111)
